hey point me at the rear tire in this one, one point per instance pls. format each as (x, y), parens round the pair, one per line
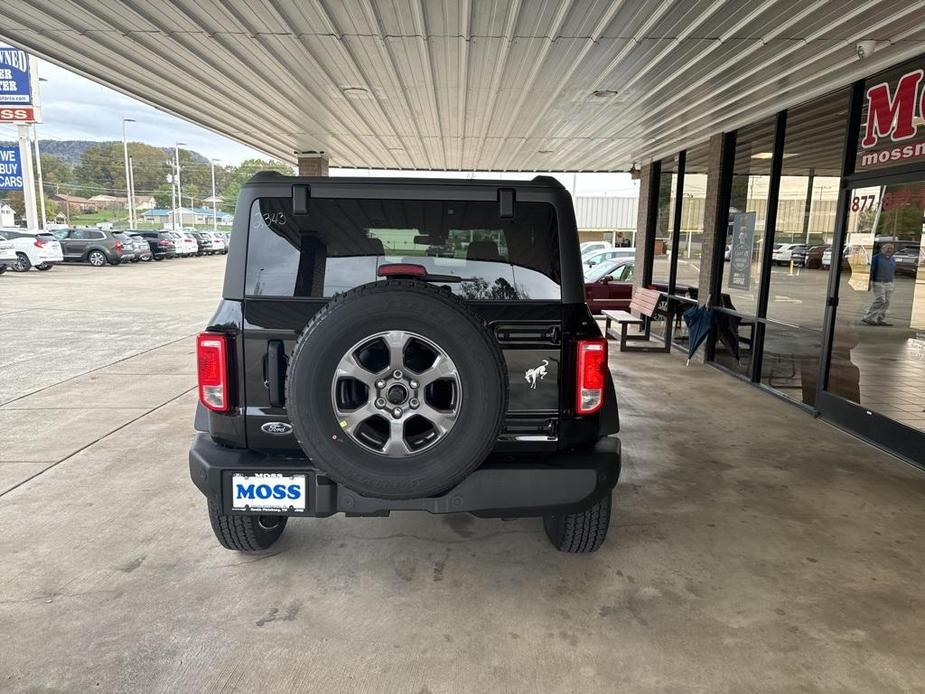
(96, 258)
(581, 532)
(22, 263)
(246, 533)
(44, 266)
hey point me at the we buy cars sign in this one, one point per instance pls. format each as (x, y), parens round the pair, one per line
(16, 93)
(10, 170)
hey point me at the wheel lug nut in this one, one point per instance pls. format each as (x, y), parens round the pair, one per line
(396, 412)
(380, 384)
(414, 403)
(414, 384)
(380, 402)
(397, 373)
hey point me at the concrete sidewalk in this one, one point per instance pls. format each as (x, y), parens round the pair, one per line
(753, 549)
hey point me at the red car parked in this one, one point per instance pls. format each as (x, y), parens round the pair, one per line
(609, 285)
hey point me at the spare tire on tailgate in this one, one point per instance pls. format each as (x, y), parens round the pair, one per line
(396, 390)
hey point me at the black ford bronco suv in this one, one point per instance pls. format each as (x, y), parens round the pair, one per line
(404, 344)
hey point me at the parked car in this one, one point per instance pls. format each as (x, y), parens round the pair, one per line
(161, 244)
(141, 246)
(591, 246)
(184, 245)
(406, 390)
(783, 252)
(593, 258)
(811, 258)
(188, 243)
(98, 247)
(853, 255)
(7, 254)
(203, 242)
(37, 249)
(608, 285)
(218, 242)
(137, 247)
(909, 260)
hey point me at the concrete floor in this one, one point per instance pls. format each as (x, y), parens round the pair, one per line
(753, 548)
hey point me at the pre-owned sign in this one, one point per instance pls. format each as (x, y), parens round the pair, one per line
(10, 170)
(16, 89)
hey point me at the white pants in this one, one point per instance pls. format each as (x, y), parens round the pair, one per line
(883, 292)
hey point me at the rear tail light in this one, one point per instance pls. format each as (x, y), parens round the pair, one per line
(39, 243)
(163, 242)
(212, 362)
(118, 246)
(591, 377)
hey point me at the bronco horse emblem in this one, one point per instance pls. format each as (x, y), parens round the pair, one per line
(531, 376)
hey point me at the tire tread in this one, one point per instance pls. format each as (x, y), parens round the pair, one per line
(580, 532)
(241, 532)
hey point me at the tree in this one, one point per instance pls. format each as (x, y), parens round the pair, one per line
(241, 174)
(102, 169)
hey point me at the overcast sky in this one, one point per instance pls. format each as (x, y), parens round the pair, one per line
(75, 108)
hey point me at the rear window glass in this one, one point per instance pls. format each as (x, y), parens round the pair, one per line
(341, 243)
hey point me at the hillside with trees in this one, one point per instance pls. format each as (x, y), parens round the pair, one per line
(78, 167)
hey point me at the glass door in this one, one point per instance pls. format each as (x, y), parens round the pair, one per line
(876, 373)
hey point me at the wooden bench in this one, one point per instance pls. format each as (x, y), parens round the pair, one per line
(643, 308)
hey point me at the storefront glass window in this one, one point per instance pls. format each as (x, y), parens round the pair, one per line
(806, 210)
(878, 356)
(748, 208)
(689, 256)
(664, 223)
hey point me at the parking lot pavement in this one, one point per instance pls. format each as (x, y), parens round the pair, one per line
(89, 350)
(753, 549)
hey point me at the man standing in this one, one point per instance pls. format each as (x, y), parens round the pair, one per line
(882, 273)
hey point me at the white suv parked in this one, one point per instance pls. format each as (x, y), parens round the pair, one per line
(36, 249)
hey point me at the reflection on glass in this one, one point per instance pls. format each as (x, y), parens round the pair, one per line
(790, 361)
(664, 224)
(879, 346)
(743, 245)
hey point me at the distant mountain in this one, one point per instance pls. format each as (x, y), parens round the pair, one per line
(70, 151)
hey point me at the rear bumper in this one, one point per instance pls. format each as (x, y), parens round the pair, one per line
(504, 487)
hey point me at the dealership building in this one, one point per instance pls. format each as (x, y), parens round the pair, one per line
(803, 209)
(780, 146)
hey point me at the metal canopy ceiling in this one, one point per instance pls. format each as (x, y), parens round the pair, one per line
(580, 85)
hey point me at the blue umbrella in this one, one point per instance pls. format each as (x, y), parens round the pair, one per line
(699, 321)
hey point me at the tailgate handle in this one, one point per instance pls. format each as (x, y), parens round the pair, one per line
(276, 373)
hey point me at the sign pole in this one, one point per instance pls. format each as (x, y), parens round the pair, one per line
(38, 169)
(28, 176)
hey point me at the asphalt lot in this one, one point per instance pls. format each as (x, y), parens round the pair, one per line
(753, 548)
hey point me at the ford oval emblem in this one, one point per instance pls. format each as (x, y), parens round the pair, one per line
(276, 428)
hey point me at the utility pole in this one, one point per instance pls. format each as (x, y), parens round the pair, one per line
(173, 199)
(214, 213)
(128, 187)
(176, 152)
(131, 187)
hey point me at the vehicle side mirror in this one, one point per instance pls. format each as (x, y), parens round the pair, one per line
(607, 280)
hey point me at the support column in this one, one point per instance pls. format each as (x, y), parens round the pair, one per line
(715, 217)
(313, 164)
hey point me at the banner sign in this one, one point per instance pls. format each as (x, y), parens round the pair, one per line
(10, 170)
(742, 251)
(16, 93)
(892, 132)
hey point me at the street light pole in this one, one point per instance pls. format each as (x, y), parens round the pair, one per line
(176, 153)
(128, 186)
(214, 213)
